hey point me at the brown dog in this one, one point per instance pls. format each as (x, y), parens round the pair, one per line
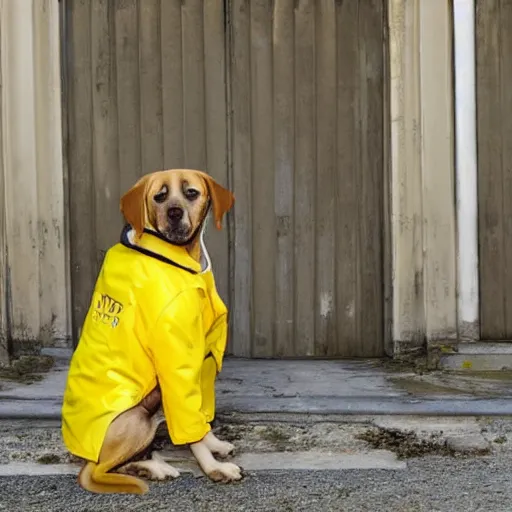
(173, 204)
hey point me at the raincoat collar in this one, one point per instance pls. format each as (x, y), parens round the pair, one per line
(154, 245)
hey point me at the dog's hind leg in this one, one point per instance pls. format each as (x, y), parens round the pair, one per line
(128, 435)
(153, 469)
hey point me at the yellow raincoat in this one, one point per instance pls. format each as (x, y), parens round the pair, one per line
(155, 316)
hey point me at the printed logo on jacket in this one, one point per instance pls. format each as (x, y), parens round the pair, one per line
(106, 310)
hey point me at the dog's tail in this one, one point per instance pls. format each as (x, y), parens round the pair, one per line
(95, 478)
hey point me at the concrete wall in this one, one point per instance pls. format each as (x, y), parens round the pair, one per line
(422, 174)
(34, 291)
(34, 269)
(285, 106)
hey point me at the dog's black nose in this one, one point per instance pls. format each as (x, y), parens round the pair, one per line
(175, 214)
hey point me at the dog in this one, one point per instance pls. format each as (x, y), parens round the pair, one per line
(153, 340)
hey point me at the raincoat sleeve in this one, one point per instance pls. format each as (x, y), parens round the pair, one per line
(178, 344)
(208, 377)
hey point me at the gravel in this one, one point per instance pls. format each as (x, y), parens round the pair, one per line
(429, 484)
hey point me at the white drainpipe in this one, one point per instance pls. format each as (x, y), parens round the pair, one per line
(466, 170)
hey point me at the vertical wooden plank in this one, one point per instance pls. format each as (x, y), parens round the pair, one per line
(347, 218)
(4, 314)
(406, 206)
(50, 191)
(410, 259)
(194, 135)
(370, 308)
(284, 164)
(105, 136)
(128, 93)
(20, 161)
(150, 62)
(172, 83)
(438, 174)
(305, 180)
(263, 227)
(82, 220)
(216, 131)
(230, 228)
(490, 175)
(387, 248)
(241, 170)
(64, 47)
(326, 65)
(505, 20)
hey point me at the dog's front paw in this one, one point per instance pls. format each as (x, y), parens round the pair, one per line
(223, 449)
(225, 472)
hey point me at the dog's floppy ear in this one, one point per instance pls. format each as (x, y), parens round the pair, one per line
(133, 205)
(222, 199)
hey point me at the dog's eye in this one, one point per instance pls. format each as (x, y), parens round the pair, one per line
(161, 196)
(191, 194)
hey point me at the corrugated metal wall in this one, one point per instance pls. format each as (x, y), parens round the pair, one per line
(280, 99)
(146, 91)
(34, 288)
(494, 101)
(307, 145)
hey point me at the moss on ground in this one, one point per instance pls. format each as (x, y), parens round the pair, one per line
(405, 444)
(27, 369)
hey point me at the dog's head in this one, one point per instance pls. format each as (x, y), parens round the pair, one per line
(175, 203)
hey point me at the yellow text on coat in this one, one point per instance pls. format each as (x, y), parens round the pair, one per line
(149, 322)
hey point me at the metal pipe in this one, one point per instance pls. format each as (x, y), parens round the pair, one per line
(466, 169)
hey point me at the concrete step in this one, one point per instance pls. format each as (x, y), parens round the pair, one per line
(51, 409)
(276, 461)
(479, 357)
(384, 443)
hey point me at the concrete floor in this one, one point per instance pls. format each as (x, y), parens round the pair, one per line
(311, 387)
(301, 431)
